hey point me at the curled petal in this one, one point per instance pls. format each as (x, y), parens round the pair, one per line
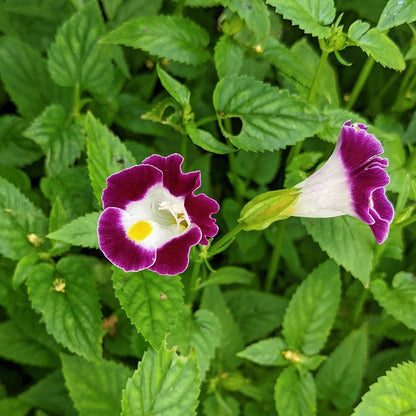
(117, 247)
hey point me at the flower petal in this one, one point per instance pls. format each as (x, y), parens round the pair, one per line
(130, 185)
(178, 183)
(117, 247)
(200, 208)
(173, 257)
(382, 205)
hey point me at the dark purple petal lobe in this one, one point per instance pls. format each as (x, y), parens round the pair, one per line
(173, 257)
(130, 185)
(117, 247)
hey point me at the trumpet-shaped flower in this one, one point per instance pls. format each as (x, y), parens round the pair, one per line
(152, 218)
(351, 182)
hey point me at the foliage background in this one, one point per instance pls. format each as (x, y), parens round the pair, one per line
(308, 317)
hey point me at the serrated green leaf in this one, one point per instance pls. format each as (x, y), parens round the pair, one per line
(61, 143)
(68, 301)
(294, 393)
(346, 240)
(170, 37)
(256, 313)
(228, 57)
(95, 388)
(229, 275)
(152, 302)
(23, 225)
(16, 150)
(76, 59)
(396, 13)
(266, 352)
(79, 232)
(271, 118)
(392, 395)
(23, 269)
(339, 379)
(377, 45)
(312, 309)
(106, 154)
(206, 140)
(399, 300)
(311, 16)
(178, 91)
(164, 384)
(17, 347)
(25, 77)
(200, 331)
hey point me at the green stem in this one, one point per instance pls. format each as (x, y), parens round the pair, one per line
(405, 85)
(318, 74)
(193, 284)
(205, 120)
(274, 260)
(184, 150)
(224, 241)
(359, 84)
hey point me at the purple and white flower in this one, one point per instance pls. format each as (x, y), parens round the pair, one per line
(152, 218)
(351, 182)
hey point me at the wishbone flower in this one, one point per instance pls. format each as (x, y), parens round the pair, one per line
(152, 218)
(351, 182)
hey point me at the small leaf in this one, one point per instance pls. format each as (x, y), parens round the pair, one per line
(170, 37)
(339, 379)
(228, 57)
(396, 13)
(377, 45)
(206, 140)
(79, 232)
(152, 302)
(229, 275)
(95, 388)
(164, 384)
(106, 154)
(399, 300)
(392, 394)
(271, 118)
(312, 309)
(23, 269)
(68, 301)
(266, 352)
(294, 393)
(311, 16)
(346, 240)
(177, 90)
(75, 59)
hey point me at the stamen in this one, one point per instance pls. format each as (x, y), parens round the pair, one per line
(179, 217)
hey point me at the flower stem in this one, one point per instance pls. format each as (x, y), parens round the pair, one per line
(205, 120)
(193, 283)
(318, 74)
(358, 86)
(274, 260)
(224, 241)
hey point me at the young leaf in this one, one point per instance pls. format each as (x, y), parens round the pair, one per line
(346, 240)
(228, 57)
(377, 45)
(164, 384)
(25, 76)
(399, 300)
(68, 301)
(340, 377)
(178, 91)
(256, 313)
(75, 59)
(271, 119)
(17, 347)
(396, 13)
(106, 154)
(392, 394)
(266, 352)
(311, 311)
(152, 302)
(311, 16)
(229, 275)
(24, 268)
(206, 140)
(79, 232)
(95, 388)
(200, 331)
(170, 37)
(62, 144)
(294, 393)
(23, 225)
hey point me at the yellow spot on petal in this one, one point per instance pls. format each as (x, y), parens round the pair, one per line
(140, 231)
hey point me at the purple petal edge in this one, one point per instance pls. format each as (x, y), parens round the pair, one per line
(117, 247)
